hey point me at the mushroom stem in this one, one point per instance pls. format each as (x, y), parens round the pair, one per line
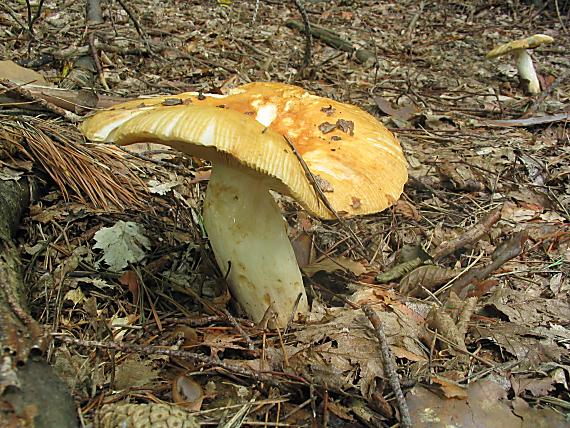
(526, 71)
(246, 228)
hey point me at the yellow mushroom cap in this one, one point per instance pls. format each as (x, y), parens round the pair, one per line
(357, 162)
(527, 43)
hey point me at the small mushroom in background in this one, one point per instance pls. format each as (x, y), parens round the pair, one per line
(248, 137)
(525, 68)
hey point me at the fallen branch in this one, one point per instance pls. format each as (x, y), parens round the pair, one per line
(468, 238)
(334, 40)
(26, 94)
(503, 253)
(529, 121)
(76, 101)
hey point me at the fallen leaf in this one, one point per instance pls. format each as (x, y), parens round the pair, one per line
(487, 405)
(404, 113)
(131, 280)
(407, 210)
(449, 389)
(20, 75)
(121, 244)
(425, 277)
(75, 295)
(135, 373)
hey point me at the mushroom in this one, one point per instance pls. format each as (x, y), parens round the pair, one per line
(358, 163)
(525, 68)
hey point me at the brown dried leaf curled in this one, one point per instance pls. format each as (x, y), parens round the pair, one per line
(427, 276)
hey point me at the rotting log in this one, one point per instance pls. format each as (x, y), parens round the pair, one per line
(31, 394)
(334, 40)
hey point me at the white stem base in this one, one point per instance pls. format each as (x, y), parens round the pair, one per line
(246, 228)
(527, 73)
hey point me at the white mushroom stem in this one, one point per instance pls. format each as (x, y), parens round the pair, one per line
(526, 71)
(248, 235)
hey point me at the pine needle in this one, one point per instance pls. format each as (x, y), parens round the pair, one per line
(93, 174)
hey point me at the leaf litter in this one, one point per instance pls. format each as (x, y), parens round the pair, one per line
(475, 149)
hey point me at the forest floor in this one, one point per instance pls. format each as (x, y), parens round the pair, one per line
(478, 327)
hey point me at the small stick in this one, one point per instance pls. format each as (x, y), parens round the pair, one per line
(14, 16)
(308, 35)
(138, 27)
(259, 376)
(503, 253)
(255, 11)
(472, 235)
(27, 95)
(389, 366)
(37, 14)
(320, 193)
(239, 328)
(292, 315)
(97, 62)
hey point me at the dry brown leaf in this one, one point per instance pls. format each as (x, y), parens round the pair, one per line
(345, 353)
(427, 276)
(130, 279)
(449, 389)
(407, 210)
(20, 75)
(135, 373)
(487, 405)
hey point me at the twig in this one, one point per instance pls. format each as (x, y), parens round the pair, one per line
(135, 23)
(560, 20)
(320, 194)
(334, 40)
(15, 17)
(414, 20)
(27, 95)
(389, 366)
(96, 60)
(472, 235)
(503, 253)
(268, 377)
(37, 14)
(255, 12)
(240, 329)
(308, 35)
